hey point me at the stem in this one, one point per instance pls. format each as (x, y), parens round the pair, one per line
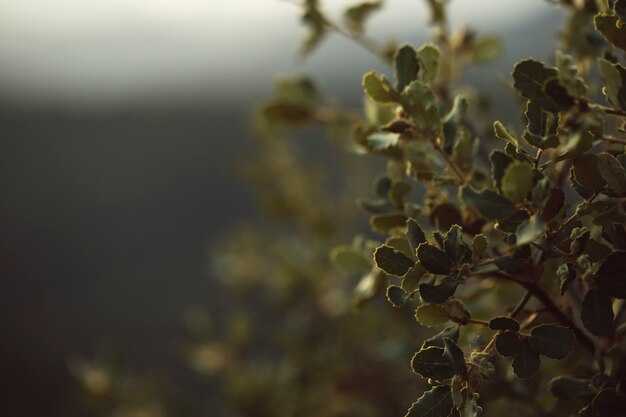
(520, 306)
(370, 44)
(609, 110)
(450, 162)
(481, 322)
(536, 291)
(546, 300)
(613, 140)
(538, 158)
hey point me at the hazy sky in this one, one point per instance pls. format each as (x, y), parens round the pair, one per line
(117, 50)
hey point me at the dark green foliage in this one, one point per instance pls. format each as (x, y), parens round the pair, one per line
(504, 323)
(463, 222)
(526, 360)
(392, 261)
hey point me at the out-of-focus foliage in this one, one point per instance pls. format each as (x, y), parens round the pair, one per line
(514, 254)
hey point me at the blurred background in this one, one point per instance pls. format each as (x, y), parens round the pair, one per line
(121, 127)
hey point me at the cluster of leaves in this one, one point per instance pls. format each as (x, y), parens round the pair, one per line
(546, 213)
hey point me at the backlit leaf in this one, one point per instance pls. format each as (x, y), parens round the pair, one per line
(517, 181)
(530, 230)
(392, 261)
(379, 88)
(612, 30)
(489, 204)
(432, 363)
(613, 173)
(434, 403)
(406, 66)
(431, 314)
(433, 259)
(397, 296)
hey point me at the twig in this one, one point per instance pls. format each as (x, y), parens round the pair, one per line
(455, 168)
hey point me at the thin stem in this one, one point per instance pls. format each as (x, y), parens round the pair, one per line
(609, 110)
(481, 322)
(370, 44)
(612, 139)
(546, 300)
(538, 158)
(455, 168)
(522, 303)
(576, 214)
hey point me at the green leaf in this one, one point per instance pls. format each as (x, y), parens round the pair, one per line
(429, 57)
(614, 80)
(350, 260)
(383, 223)
(611, 278)
(512, 264)
(479, 245)
(456, 311)
(451, 123)
(439, 293)
(380, 141)
(434, 403)
(586, 171)
(379, 88)
(526, 361)
(530, 230)
(559, 95)
(568, 75)
(454, 246)
(410, 280)
(421, 105)
(597, 312)
(541, 127)
(431, 314)
(566, 274)
(355, 16)
(455, 357)
(392, 261)
(517, 181)
(489, 204)
(414, 234)
(502, 132)
(397, 296)
(504, 323)
(499, 162)
(406, 66)
(613, 32)
(451, 332)
(552, 340)
(530, 79)
(432, 363)
(568, 388)
(433, 259)
(576, 145)
(613, 173)
(507, 343)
